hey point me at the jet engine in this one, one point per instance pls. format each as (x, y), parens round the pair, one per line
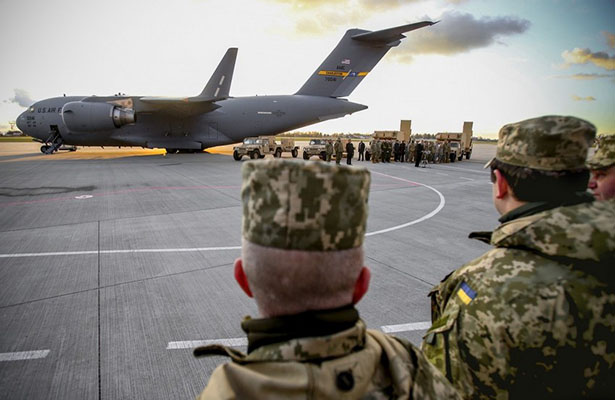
(85, 116)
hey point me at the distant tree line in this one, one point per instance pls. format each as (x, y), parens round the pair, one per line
(314, 134)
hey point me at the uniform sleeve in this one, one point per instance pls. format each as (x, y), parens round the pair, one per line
(218, 386)
(511, 340)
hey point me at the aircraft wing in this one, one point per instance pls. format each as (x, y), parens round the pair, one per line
(217, 88)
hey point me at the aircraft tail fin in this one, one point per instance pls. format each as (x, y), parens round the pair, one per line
(219, 84)
(352, 59)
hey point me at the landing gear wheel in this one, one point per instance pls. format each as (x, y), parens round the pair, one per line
(294, 153)
(44, 149)
(236, 156)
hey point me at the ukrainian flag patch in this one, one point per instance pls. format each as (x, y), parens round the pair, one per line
(466, 293)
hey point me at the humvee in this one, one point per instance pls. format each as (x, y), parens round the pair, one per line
(259, 147)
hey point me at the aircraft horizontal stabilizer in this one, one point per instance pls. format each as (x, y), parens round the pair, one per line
(391, 34)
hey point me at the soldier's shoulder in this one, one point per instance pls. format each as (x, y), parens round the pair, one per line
(425, 380)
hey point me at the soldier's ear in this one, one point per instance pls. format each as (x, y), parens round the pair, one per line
(501, 185)
(361, 285)
(241, 278)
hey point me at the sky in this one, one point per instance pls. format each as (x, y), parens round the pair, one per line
(488, 61)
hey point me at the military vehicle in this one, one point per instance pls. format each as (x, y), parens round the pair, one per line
(316, 147)
(259, 147)
(213, 117)
(460, 142)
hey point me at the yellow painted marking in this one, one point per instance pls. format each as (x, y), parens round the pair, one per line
(464, 297)
(332, 73)
(340, 73)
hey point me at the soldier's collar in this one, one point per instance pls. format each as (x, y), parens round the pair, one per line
(539, 206)
(265, 331)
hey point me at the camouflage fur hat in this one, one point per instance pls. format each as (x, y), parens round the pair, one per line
(549, 143)
(604, 156)
(299, 205)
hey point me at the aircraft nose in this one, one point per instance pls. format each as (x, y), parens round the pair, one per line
(21, 121)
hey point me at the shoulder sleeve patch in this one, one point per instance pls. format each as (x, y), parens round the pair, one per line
(466, 293)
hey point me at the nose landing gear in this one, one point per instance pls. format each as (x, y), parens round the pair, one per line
(53, 142)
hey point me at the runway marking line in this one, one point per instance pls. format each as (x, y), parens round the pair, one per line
(197, 249)
(23, 355)
(416, 221)
(482, 171)
(132, 251)
(242, 341)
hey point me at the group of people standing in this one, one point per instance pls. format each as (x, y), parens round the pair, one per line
(381, 150)
(411, 151)
(338, 148)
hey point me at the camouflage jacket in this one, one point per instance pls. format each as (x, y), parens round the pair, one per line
(535, 316)
(354, 363)
(338, 147)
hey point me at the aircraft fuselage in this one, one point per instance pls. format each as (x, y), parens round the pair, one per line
(234, 119)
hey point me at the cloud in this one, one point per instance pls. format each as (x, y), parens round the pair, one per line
(610, 38)
(22, 98)
(326, 20)
(588, 98)
(379, 5)
(460, 33)
(308, 4)
(584, 56)
(586, 77)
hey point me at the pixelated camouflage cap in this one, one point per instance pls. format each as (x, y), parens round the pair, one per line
(605, 153)
(550, 143)
(298, 205)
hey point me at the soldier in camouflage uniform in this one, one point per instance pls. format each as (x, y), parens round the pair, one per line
(302, 261)
(387, 150)
(534, 316)
(602, 167)
(447, 152)
(374, 151)
(328, 150)
(338, 147)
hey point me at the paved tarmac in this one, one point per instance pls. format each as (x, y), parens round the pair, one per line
(114, 263)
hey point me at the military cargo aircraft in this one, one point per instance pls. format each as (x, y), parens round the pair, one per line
(213, 117)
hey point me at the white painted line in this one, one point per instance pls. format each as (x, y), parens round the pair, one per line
(467, 179)
(227, 248)
(482, 172)
(191, 344)
(84, 196)
(415, 326)
(80, 253)
(23, 355)
(416, 221)
(239, 342)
